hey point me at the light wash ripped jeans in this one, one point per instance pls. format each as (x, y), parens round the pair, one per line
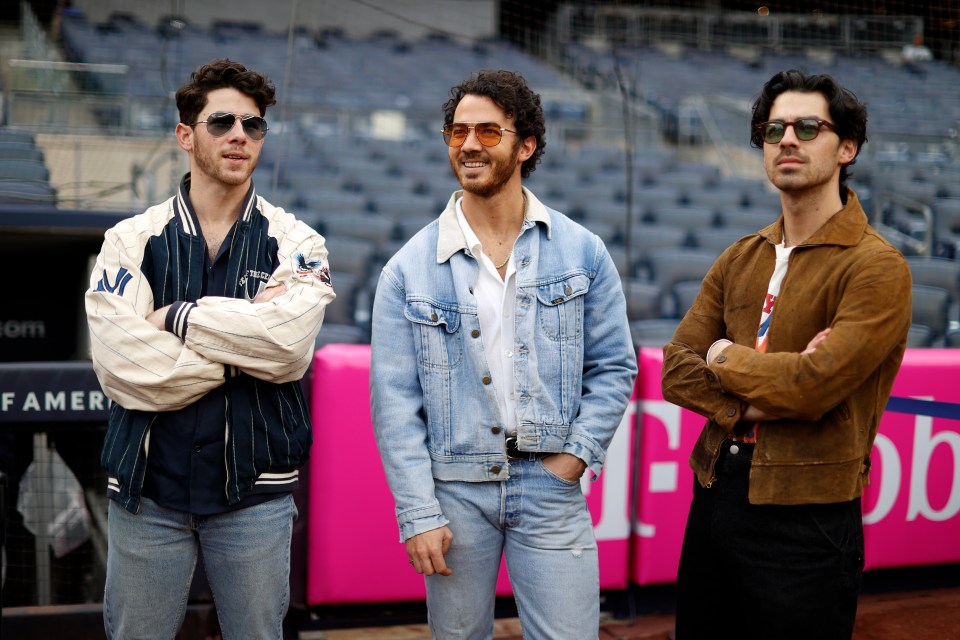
(152, 556)
(540, 522)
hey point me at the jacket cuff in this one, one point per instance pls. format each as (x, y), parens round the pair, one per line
(176, 320)
(592, 456)
(412, 528)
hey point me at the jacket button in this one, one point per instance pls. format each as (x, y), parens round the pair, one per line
(475, 333)
(433, 317)
(486, 379)
(196, 449)
(495, 469)
(567, 290)
(731, 411)
(495, 430)
(722, 358)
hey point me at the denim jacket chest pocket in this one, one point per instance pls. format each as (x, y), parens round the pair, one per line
(560, 308)
(437, 337)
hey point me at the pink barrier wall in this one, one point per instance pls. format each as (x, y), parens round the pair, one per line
(354, 554)
(910, 508)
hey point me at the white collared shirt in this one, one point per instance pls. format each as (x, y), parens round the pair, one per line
(496, 298)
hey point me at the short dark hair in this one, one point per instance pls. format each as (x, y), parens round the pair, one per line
(223, 74)
(511, 93)
(848, 114)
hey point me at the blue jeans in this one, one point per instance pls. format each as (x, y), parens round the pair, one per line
(152, 556)
(540, 522)
(790, 572)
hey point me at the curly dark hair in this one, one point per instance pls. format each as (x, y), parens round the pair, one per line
(511, 93)
(848, 114)
(220, 74)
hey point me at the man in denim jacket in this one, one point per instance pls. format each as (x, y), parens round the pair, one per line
(502, 365)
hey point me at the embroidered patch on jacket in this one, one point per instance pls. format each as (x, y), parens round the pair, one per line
(303, 268)
(118, 285)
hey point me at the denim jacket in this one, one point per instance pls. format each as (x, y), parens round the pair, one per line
(432, 397)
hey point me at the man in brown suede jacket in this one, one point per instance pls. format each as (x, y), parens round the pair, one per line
(790, 352)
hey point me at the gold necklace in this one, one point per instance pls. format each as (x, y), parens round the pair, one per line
(505, 261)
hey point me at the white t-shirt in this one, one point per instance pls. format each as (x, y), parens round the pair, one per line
(773, 292)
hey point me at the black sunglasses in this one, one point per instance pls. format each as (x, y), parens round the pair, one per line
(805, 128)
(220, 122)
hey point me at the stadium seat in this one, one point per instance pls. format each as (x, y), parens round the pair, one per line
(626, 266)
(946, 220)
(341, 310)
(719, 238)
(602, 211)
(20, 151)
(754, 218)
(374, 228)
(26, 170)
(718, 199)
(684, 293)
(608, 232)
(335, 333)
(17, 135)
(930, 308)
(688, 218)
(952, 338)
(409, 227)
(401, 206)
(644, 300)
(645, 238)
(653, 333)
(19, 192)
(919, 336)
(765, 200)
(670, 266)
(937, 272)
(351, 255)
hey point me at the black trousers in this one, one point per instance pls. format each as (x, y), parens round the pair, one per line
(766, 571)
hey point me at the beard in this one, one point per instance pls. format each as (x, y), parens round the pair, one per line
(208, 162)
(501, 172)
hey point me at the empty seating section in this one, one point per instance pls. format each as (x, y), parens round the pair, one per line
(24, 176)
(664, 225)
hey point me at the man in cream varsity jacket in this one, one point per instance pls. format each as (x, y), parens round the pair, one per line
(203, 313)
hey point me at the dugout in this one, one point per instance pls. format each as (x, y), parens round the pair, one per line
(53, 414)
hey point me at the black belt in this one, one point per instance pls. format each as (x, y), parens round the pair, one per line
(513, 453)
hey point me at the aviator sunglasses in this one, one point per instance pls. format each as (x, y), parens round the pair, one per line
(488, 133)
(805, 129)
(220, 122)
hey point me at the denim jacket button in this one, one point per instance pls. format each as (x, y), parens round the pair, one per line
(433, 317)
(475, 333)
(495, 430)
(486, 380)
(495, 469)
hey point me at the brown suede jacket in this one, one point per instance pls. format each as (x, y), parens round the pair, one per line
(846, 277)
